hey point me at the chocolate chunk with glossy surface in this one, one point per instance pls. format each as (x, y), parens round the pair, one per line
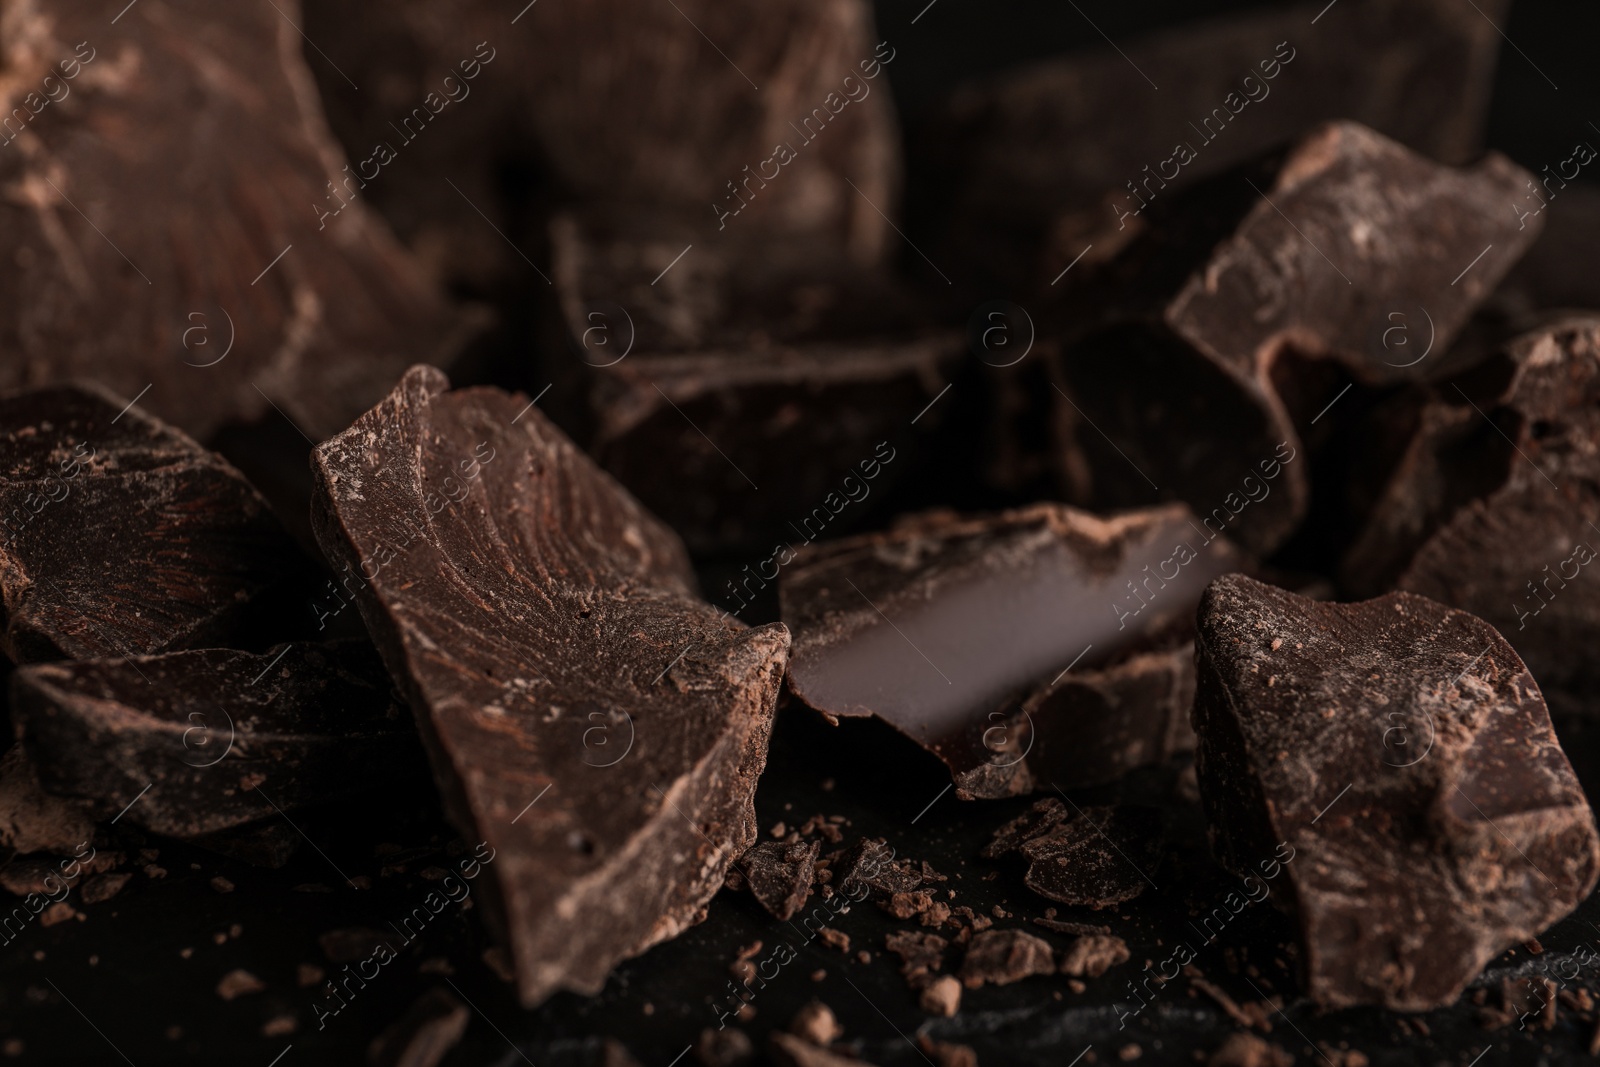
(937, 623)
(589, 718)
(120, 536)
(1411, 865)
(213, 738)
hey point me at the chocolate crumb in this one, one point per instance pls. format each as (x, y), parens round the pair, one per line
(1005, 956)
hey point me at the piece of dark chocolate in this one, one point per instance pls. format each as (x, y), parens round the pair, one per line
(1249, 303)
(780, 873)
(1005, 956)
(213, 738)
(873, 863)
(424, 1035)
(1026, 195)
(746, 124)
(592, 722)
(1406, 876)
(1092, 955)
(120, 536)
(1096, 856)
(938, 624)
(921, 955)
(737, 364)
(1494, 506)
(791, 1051)
(249, 276)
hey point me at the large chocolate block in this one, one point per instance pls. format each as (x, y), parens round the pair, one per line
(589, 718)
(120, 536)
(940, 625)
(227, 263)
(1245, 306)
(745, 118)
(1041, 160)
(773, 377)
(1396, 759)
(1494, 507)
(213, 738)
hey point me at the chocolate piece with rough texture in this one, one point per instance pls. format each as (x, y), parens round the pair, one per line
(213, 738)
(1099, 857)
(544, 628)
(1494, 507)
(780, 873)
(32, 820)
(120, 536)
(1092, 955)
(236, 243)
(937, 624)
(791, 1051)
(1410, 868)
(1005, 956)
(737, 364)
(1251, 301)
(1040, 165)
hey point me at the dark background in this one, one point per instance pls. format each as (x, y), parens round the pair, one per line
(130, 995)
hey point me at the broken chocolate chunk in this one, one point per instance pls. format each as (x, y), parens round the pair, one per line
(748, 364)
(213, 738)
(921, 955)
(1202, 331)
(250, 276)
(1494, 507)
(873, 863)
(1027, 196)
(424, 1035)
(935, 625)
(544, 629)
(1005, 956)
(120, 536)
(791, 1051)
(32, 820)
(1407, 875)
(780, 874)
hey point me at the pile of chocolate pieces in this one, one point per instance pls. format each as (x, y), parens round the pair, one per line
(1274, 463)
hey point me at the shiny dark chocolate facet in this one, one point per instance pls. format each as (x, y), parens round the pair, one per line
(935, 625)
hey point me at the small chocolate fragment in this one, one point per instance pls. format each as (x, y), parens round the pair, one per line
(1197, 333)
(1407, 875)
(1028, 195)
(815, 1022)
(119, 535)
(1005, 956)
(942, 996)
(750, 363)
(1096, 856)
(545, 631)
(424, 1035)
(214, 738)
(873, 863)
(1092, 955)
(728, 1047)
(1248, 1050)
(921, 955)
(780, 874)
(935, 624)
(228, 264)
(1494, 507)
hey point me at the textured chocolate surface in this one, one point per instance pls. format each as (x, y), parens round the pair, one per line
(936, 624)
(1395, 761)
(1495, 503)
(138, 244)
(1208, 320)
(213, 738)
(545, 631)
(120, 536)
